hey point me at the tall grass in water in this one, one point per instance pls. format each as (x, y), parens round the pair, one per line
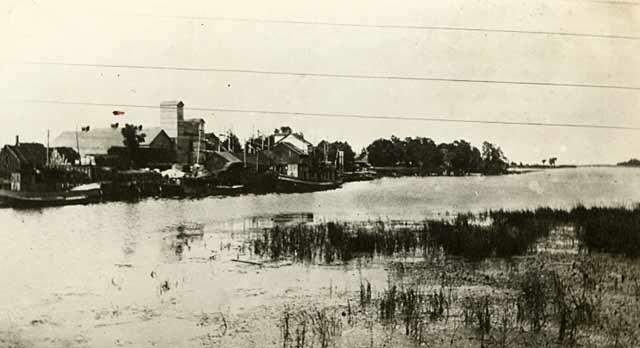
(309, 328)
(491, 234)
(466, 235)
(613, 230)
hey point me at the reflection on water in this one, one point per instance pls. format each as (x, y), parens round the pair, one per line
(84, 249)
(292, 218)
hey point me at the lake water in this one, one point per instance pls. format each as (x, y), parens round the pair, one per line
(117, 273)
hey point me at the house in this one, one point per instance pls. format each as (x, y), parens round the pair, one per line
(295, 139)
(97, 142)
(290, 160)
(21, 159)
(22, 164)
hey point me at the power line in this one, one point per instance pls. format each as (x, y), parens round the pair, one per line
(387, 26)
(332, 75)
(340, 115)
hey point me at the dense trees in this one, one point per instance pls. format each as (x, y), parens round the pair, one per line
(630, 163)
(456, 158)
(493, 160)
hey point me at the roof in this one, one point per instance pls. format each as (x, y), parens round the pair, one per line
(264, 158)
(29, 153)
(98, 141)
(171, 103)
(292, 147)
(228, 156)
(150, 134)
(295, 135)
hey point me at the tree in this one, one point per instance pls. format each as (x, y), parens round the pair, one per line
(132, 140)
(382, 153)
(422, 153)
(544, 161)
(552, 161)
(283, 130)
(494, 161)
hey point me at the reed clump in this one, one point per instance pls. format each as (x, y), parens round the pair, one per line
(305, 328)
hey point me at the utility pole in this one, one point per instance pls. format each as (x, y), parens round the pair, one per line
(78, 147)
(47, 147)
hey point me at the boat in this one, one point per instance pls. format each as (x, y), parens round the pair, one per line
(80, 195)
(292, 184)
(229, 189)
(359, 175)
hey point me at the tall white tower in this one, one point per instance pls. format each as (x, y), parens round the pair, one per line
(171, 113)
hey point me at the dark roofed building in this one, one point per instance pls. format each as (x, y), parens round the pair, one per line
(22, 157)
(220, 161)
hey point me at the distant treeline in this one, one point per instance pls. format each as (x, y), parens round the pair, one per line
(456, 158)
(630, 163)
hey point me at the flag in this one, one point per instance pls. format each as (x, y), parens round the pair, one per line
(118, 113)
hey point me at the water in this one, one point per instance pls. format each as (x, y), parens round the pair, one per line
(93, 275)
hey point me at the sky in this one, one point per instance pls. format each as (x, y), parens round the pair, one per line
(187, 34)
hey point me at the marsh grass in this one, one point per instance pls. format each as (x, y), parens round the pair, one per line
(313, 327)
(496, 233)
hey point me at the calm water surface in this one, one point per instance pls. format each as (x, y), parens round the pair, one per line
(92, 275)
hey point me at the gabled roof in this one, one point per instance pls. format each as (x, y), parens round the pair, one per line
(294, 135)
(98, 141)
(33, 154)
(292, 147)
(228, 156)
(150, 134)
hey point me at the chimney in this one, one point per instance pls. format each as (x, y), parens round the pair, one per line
(180, 109)
(17, 140)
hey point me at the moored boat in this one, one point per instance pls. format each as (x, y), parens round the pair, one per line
(290, 184)
(79, 195)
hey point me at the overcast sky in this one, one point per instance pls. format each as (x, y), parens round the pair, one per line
(140, 33)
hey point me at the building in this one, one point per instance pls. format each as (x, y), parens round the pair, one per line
(22, 164)
(98, 142)
(292, 155)
(296, 139)
(188, 136)
(219, 161)
(290, 160)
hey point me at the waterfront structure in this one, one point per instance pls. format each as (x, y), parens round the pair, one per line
(95, 143)
(188, 136)
(222, 161)
(296, 139)
(22, 163)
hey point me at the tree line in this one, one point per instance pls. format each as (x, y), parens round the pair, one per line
(455, 158)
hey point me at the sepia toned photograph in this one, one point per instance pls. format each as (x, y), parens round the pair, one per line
(320, 174)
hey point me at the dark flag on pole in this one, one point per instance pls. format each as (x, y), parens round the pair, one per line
(118, 113)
